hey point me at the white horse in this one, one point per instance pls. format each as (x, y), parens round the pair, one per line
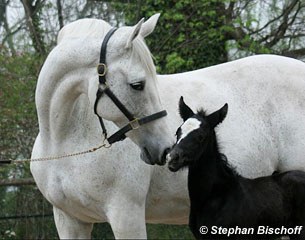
(264, 131)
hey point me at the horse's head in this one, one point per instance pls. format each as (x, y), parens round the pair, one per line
(131, 76)
(193, 135)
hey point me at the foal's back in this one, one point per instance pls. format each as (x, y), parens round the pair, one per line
(273, 201)
(276, 200)
(293, 185)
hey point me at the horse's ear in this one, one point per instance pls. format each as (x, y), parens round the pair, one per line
(217, 117)
(184, 110)
(134, 33)
(149, 25)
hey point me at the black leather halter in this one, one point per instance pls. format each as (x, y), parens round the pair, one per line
(134, 123)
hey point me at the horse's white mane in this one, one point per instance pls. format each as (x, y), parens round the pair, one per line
(141, 49)
(81, 28)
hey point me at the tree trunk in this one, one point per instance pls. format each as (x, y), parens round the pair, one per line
(59, 12)
(32, 17)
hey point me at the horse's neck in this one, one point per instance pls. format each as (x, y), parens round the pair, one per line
(60, 104)
(210, 174)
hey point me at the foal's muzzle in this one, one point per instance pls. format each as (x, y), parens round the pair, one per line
(174, 161)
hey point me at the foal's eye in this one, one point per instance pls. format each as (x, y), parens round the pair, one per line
(139, 86)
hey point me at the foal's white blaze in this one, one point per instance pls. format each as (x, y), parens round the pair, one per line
(189, 126)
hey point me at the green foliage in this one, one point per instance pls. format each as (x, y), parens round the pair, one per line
(188, 35)
(26, 201)
(17, 103)
(162, 231)
(18, 124)
(174, 61)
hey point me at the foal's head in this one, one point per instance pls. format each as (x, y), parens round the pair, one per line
(193, 135)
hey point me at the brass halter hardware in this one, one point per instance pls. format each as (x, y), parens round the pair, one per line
(101, 69)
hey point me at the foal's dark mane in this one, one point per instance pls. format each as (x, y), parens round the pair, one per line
(202, 113)
(222, 159)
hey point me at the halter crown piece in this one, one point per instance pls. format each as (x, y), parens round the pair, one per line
(134, 123)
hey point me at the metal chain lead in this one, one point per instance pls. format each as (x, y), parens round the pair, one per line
(105, 145)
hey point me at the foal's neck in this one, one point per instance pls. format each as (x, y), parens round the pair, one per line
(211, 173)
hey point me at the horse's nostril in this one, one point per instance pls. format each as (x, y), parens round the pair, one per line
(166, 152)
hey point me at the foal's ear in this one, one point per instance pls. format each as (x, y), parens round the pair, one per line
(185, 111)
(134, 33)
(217, 117)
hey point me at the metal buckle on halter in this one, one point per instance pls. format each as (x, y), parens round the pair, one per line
(103, 86)
(134, 124)
(101, 69)
(106, 143)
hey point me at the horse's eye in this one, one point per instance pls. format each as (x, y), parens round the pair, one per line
(139, 86)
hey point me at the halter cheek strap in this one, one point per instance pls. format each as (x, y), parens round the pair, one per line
(101, 67)
(134, 123)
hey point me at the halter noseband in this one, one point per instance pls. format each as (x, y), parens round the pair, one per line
(134, 123)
